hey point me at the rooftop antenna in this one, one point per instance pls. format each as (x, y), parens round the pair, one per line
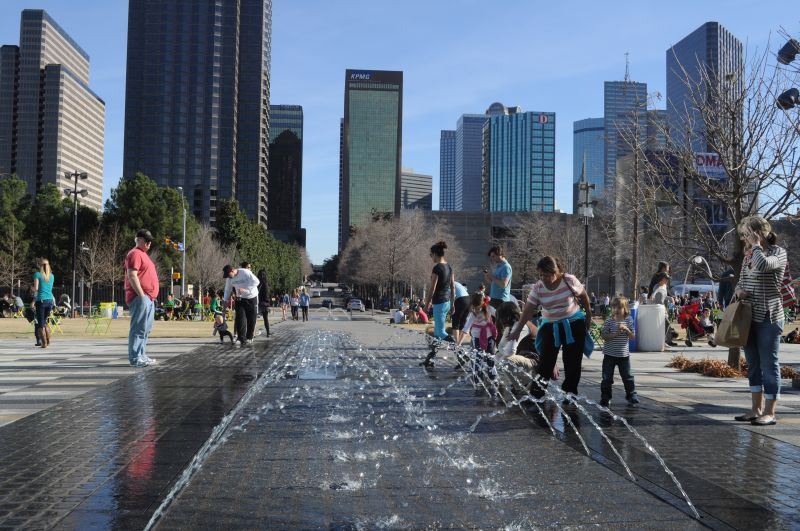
(627, 68)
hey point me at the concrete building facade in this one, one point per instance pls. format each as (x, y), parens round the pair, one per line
(416, 190)
(51, 122)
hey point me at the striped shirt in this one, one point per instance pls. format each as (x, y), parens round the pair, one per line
(617, 347)
(558, 303)
(761, 276)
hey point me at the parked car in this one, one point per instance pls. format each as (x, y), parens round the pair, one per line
(327, 303)
(355, 304)
(316, 293)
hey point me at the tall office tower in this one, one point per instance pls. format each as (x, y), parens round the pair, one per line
(625, 123)
(416, 190)
(588, 155)
(51, 123)
(657, 129)
(447, 171)
(373, 127)
(469, 144)
(197, 100)
(710, 48)
(284, 195)
(519, 162)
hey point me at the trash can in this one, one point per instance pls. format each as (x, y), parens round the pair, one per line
(634, 313)
(107, 309)
(650, 332)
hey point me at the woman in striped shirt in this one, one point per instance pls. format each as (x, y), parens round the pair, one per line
(563, 322)
(759, 283)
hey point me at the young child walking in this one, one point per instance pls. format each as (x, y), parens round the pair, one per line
(220, 324)
(483, 332)
(617, 332)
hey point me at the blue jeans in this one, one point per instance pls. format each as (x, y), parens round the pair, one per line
(624, 364)
(43, 310)
(142, 310)
(761, 353)
(439, 317)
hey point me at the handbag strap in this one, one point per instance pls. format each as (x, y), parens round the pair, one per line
(574, 295)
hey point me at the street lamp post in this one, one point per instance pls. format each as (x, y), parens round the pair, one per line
(183, 246)
(586, 212)
(75, 192)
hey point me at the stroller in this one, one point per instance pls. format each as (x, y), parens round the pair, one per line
(689, 319)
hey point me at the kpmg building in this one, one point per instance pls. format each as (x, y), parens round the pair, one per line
(197, 100)
(371, 147)
(285, 173)
(518, 172)
(51, 123)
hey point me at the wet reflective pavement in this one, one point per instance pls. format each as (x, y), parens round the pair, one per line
(341, 429)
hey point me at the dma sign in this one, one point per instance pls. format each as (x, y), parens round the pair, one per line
(710, 166)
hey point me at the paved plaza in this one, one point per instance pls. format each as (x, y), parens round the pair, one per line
(333, 424)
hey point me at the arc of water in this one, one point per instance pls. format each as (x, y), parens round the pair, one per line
(527, 396)
(652, 450)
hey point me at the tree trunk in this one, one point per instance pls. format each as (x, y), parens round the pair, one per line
(733, 357)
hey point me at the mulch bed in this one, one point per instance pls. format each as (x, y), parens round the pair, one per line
(721, 369)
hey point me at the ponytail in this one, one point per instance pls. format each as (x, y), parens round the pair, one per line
(772, 238)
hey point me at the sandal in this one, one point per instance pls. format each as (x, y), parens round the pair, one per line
(764, 420)
(745, 418)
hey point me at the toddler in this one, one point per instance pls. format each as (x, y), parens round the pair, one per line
(616, 333)
(483, 332)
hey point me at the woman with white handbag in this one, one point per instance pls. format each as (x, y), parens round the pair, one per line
(759, 284)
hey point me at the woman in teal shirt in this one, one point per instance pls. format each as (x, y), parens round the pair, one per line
(43, 286)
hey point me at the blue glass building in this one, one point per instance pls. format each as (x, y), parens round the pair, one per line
(625, 122)
(519, 162)
(588, 144)
(447, 171)
(469, 146)
(286, 173)
(710, 47)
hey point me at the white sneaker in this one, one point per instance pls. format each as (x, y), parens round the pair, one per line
(146, 362)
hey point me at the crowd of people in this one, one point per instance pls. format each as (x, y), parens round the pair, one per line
(557, 317)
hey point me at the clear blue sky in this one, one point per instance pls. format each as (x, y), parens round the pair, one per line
(458, 56)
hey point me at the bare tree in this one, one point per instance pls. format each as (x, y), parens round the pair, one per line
(14, 255)
(731, 121)
(394, 251)
(308, 269)
(206, 258)
(114, 248)
(93, 261)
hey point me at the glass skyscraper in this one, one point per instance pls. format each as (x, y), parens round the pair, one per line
(588, 145)
(710, 47)
(285, 172)
(469, 143)
(197, 100)
(519, 162)
(50, 120)
(371, 152)
(447, 171)
(625, 122)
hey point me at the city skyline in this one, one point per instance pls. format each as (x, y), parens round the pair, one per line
(447, 74)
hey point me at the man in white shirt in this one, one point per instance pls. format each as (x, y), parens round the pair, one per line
(245, 284)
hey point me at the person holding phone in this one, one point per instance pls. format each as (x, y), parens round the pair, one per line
(759, 283)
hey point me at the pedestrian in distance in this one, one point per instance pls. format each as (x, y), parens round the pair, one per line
(616, 333)
(294, 304)
(284, 304)
(263, 298)
(43, 287)
(760, 284)
(304, 301)
(244, 284)
(141, 289)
